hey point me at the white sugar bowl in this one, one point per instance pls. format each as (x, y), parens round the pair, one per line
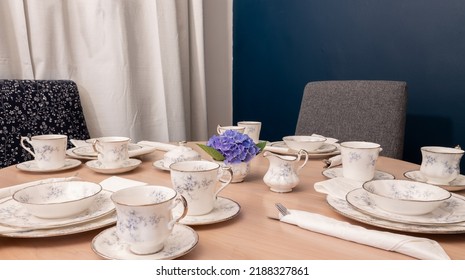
(181, 153)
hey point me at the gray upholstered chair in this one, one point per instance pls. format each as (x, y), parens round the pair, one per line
(34, 107)
(372, 111)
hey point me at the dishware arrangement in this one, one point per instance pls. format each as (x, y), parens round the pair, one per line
(252, 128)
(145, 218)
(449, 212)
(405, 197)
(309, 143)
(58, 199)
(359, 159)
(283, 171)
(199, 182)
(49, 151)
(440, 165)
(337, 172)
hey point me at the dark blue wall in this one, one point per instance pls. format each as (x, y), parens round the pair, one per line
(280, 45)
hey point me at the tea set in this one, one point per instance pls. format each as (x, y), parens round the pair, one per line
(153, 222)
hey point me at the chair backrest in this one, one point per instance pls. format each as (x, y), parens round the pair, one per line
(35, 107)
(357, 110)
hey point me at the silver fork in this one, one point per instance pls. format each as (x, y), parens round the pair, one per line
(282, 209)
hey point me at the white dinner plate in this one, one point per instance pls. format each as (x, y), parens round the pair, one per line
(342, 207)
(104, 221)
(31, 166)
(337, 172)
(449, 212)
(88, 151)
(224, 210)
(128, 165)
(457, 184)
(13, 214)
(181, 241)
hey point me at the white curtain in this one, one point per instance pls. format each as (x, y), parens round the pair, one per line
(139, 64)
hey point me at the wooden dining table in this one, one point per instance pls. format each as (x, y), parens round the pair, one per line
(250, 235)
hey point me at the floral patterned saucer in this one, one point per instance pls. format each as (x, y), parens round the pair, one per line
(160, 165)
(457, 184)
(337, 172)
(224, 209)
(31, 166)
(182, 240)
(128, 165)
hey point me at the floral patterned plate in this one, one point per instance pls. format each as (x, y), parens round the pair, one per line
(160, 165)
(450, 211)
(104, 221)
(13, 214)
(337, 172)
(456, 185)
(88, 151)
(224, 209)
(342, 207)
(31, 166)
(181, 241)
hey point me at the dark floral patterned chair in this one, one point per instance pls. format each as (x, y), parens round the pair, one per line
(35, 107)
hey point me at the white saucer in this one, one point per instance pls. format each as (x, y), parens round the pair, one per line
(456, 185)
(31, 166)
(160, 165)
(337, 172)
(88, 151)
(224, 209)
(181, 241)
(13, 214)
(449, 212)
(128, 165)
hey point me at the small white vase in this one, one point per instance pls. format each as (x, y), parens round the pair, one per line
(240, 170)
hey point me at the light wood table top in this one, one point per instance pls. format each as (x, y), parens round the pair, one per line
(248, 236)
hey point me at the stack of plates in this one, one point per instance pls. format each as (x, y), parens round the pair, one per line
(448, 218)
(15, 221)
(324, 151)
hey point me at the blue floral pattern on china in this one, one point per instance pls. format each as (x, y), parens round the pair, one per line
(35, 107)
(190, 185)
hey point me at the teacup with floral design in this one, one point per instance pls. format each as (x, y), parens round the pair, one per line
(440, 165)
(199, 182)
(144, 216)
(359, 159)
(49, 150)
(112, 151)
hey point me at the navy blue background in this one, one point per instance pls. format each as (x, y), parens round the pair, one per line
(280, 45)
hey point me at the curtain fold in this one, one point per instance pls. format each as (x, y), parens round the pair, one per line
(139, 65)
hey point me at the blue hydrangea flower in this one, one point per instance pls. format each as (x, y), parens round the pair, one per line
(234, 146)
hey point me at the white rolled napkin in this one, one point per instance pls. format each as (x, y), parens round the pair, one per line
(158, 145)
(279, 150)
(9, 191)
(420, 248)
(115, 183)
(333, 161)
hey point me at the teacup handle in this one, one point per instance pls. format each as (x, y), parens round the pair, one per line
(218, 129)
(95, 146)
(227, 182)
(300, 153)
(180, 198)
(24, 138)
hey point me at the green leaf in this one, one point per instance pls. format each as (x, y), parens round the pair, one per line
(261, 145)
(212, 152)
